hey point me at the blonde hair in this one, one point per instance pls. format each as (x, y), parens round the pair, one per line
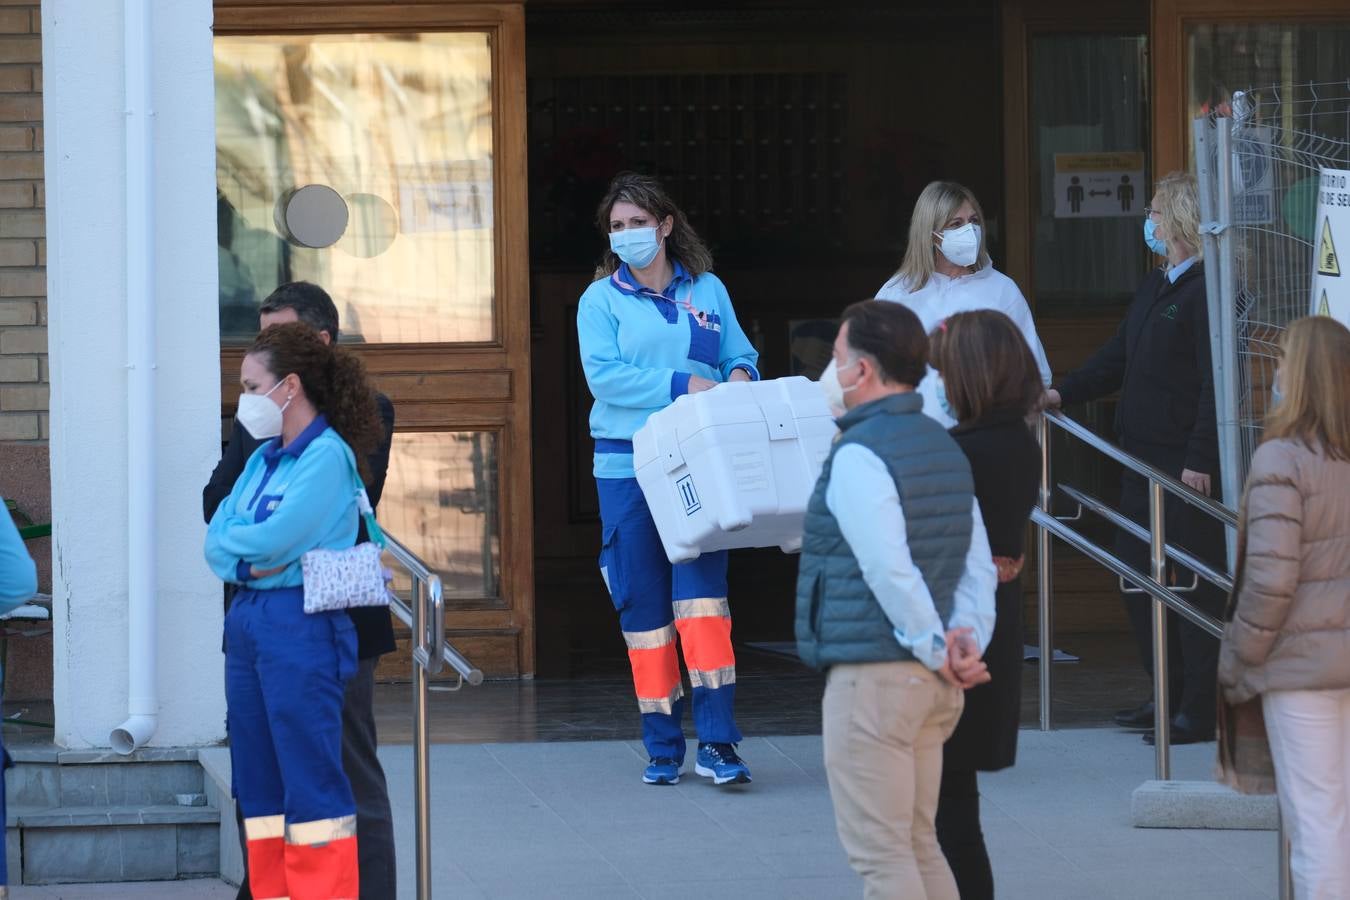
(1315, 379)
(938, 202)
(1179, 212)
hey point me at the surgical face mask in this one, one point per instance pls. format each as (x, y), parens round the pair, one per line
(1276, 395)
(942, 401)
(259, 415)
(961, 245)
(1155, 243)
(834, 391)
(635, 246)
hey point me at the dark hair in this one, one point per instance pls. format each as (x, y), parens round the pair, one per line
(311, 303)
(986, 366)
(683, 243)
(334, 381)
(892, 335)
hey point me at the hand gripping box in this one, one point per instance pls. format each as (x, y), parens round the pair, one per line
(734, 466)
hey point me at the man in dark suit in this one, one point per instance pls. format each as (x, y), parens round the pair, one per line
(300, 301)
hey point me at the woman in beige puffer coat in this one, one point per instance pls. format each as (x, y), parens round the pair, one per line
(1289, 638)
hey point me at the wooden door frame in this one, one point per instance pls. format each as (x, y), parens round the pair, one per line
(1022, 21)
(1168, 34)
(483, 385)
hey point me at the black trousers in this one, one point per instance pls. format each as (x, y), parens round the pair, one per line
(1192, 654)
(374, 820)
(960, 836)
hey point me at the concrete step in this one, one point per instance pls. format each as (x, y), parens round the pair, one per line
(93, 816)
(49, 776)
(1201, 804)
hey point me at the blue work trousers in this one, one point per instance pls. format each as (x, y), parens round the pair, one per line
(657, 601)
(285, 673)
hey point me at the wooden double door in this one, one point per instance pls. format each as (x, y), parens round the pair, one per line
(375, 149)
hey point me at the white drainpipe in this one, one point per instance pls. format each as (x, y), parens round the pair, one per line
(142, 536)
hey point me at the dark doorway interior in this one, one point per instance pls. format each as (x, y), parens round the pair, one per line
(796, 136)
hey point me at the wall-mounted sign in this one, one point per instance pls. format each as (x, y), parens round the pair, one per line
(1331, 270)
(1100, 185)
(1253, 176)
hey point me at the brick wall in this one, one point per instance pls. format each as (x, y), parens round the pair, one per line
(23, 248)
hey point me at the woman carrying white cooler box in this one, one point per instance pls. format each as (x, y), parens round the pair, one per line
(657, 324)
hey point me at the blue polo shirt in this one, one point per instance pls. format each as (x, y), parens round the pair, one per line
(287, 501)
(640, 347)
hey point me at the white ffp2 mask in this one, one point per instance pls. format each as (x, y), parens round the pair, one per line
(259, 415)
(961, 245)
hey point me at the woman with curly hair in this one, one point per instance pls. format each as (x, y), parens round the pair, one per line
(285, 670)
(654, 325)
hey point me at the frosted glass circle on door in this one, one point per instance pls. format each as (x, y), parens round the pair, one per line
(313, 216)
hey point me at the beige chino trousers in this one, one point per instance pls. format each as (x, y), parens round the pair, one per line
(884, 727)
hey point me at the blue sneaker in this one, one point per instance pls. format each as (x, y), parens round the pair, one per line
(662, 770)
(720, 763)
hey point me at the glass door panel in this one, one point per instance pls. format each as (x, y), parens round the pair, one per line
(1088, 97)
(441, 500)
(362, 162)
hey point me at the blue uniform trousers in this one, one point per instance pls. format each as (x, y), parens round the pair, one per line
(285, 673)
(657, 601)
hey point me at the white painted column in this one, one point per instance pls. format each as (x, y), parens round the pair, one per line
(86, 176)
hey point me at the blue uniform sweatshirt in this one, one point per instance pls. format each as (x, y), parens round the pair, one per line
(287, 501)
(640, 347)
(18, 573)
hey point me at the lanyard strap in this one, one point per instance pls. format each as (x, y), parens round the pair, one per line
(373, 529)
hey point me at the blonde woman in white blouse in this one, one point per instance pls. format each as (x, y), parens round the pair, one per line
(947, 270)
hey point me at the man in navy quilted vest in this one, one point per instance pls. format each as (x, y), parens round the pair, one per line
(895, 599)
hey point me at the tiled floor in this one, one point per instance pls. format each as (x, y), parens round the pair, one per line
(775, 694)
(572, 820)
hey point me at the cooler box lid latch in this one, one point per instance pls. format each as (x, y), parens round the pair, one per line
(781, 422)
(668, 449)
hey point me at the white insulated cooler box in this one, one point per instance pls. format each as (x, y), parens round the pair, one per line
(734, 466)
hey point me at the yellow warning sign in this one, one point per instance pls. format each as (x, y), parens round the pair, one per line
(1327, 263)
(1329, 293)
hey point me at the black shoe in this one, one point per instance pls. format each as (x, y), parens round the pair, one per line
(1185, 731)
(1139, 717)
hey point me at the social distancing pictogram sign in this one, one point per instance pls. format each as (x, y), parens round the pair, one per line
(1100, 185)
(1331, 289)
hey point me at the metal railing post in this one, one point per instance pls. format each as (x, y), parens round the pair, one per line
(425, 616)
(1286, 873)
(1044, 573)
(1162, 738)
(1227, 378)
(421, 767)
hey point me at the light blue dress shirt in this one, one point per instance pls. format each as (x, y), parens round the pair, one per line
(1180, 268)
(863, 498)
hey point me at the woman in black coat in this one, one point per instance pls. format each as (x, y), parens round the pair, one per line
(992, 388)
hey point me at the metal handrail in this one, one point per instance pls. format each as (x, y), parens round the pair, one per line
(1139, 467)
(1096, 553)
(431, 651)
(1124, 523)
(1154, 584)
